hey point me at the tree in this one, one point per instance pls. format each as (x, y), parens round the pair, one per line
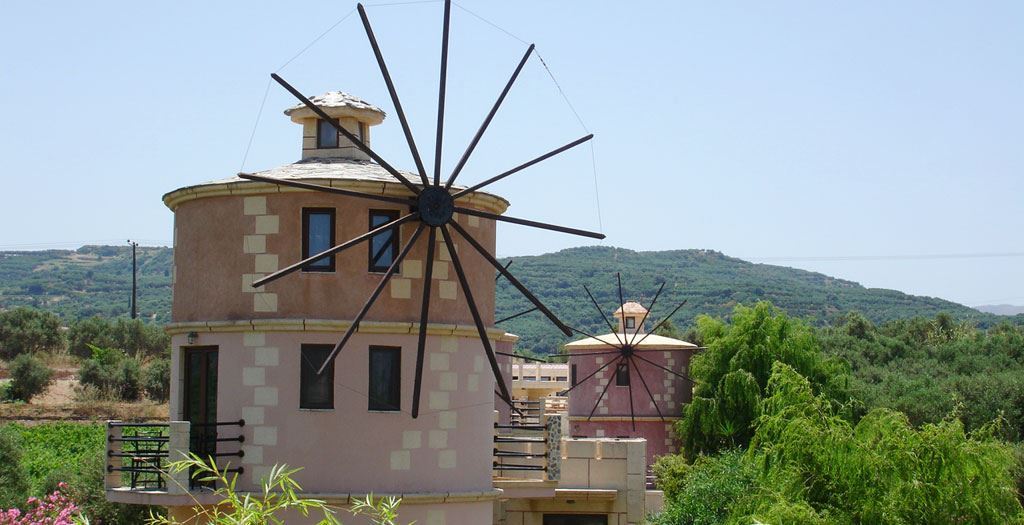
(732, 373)
(29, 377)
(14, 483)
(27, 330)
(133, 336)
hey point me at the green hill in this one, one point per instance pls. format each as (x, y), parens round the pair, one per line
(96, 280)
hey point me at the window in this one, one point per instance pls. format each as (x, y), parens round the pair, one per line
(316, 390)
(545, 378)
(363, 132)
(622, 375)
(572, 374)
(385, 378)
(384, 245)
(317, 236)
(561, 378)
(630, 323)
(326, 134)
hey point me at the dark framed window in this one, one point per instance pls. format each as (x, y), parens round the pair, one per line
(572, 375)
(363, 132)
(385, 385)
(631, 322)
(316, 390)
(326, 134)
(575, 519)
(317, 236)
(384, 245)
(622, 375)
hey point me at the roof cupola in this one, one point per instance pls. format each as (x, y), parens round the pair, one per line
(321, 140)
(631, 315)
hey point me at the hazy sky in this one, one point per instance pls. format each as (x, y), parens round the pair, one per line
(779, 131)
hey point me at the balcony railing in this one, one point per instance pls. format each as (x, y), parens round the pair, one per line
(139, 454)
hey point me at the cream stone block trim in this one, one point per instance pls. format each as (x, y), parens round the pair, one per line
(478, 363)
(437, 439)
(328, 325)
(254, 243)
(446, 459)
(264, 436)
(448, 420)
(268, 224)
(657, 397)
(401, 288)
(442, 253)
(264, 302)
(266, 263)
(247, 280)
(439, 401)
(623, 418)
(412, 439)
(599, 432)
(254, 205)
(447, 290)
(254, 339)
(473, 382)
(411, 498)
(265, 396)
(267, 356)
(449, 381)
(254, 376)
(599, 360)
(400, 460)
(253, 415)
(412, 269)
(253, 455)
(449, 344)
(436, 517)
(602, 410)
(440, 270)
(439, 362)
(474, 221)
(670, 362)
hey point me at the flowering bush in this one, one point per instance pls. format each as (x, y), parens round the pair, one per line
(54, 509)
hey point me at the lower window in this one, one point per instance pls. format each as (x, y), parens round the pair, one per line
(316, 390)
(385, 383)
(575, 519)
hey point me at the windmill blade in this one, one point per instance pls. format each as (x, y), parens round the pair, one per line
(523, 357)
(603, 316)
(644, 320)
(394, 95)
(503, 389)
(622, 306)
(515, 282)
(524, 312)
(525, 222)
(496, 277)
(657, 326)
(347, 134)
(331, 251)
(487, 120)
(509, 403)
(327, 189)
(441, 92)
(424, 319)
(523, 166)
(629, 383)
(592, 374)
(652, 363)
(608, 384)
(649, 394)
(373, 297)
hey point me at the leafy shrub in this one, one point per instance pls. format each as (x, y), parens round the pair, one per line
(27, 330)
(705, 492)
(133, 336)
(669, 472)
(157, 380)
(29, 378)
(13, 482)
(113, 373)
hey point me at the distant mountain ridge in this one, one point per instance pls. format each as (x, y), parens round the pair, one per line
(96, 280)
(1001, 309)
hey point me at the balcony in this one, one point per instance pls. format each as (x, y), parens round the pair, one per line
(139, 454)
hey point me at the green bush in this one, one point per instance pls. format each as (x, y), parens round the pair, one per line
(29, 378)
(157, 380)
(669, 472)
(27, 330)
(133, 336)
(705, 492)
(115, 374)
(14, 483)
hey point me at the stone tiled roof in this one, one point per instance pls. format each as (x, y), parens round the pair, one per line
(336, 99)
(651, 341)
(631, 307)
(331, 168)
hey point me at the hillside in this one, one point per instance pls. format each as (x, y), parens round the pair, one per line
(96, 280)
(1001, 309)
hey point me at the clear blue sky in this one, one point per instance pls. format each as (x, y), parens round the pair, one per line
(760, 129)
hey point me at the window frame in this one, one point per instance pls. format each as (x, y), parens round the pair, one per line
(572, 375)
(320, 134)
(305, 404)
(630, 323)
(396, 233)
(397, 384)
(306, 213)
(619, 369)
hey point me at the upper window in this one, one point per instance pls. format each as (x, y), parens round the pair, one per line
(326, 134)
(572, 374)
(384, 245)
(316, 390)
(622, 375)
(317, 236)
(631, 323)
(363, 132)
(385, 378)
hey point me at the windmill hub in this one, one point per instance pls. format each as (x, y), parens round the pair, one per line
(627, 350)
(435, 205)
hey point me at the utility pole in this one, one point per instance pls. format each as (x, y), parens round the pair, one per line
(135, 312)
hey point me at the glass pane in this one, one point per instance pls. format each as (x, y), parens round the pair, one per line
(211, 386)
(381, 245)
(385, 379)
(193, 378)
(316, 390)
(327, 135)
(319, 237)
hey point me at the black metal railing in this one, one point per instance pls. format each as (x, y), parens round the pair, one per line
(204, 441)
(520, 447)
(526, 413)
